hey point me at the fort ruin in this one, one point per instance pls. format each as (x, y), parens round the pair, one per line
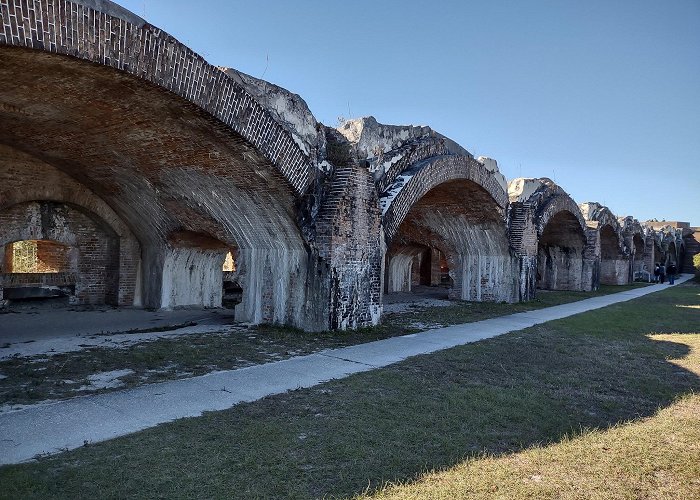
(132, 172)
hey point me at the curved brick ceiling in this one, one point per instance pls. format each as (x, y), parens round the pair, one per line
(106, 34)
(160, 162)
(482, 197)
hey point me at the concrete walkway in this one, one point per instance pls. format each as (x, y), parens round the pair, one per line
(64, 425)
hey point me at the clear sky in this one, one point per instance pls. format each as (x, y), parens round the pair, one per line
(603, 96)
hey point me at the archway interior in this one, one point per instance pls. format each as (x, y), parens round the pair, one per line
(165, 167)
(612, 268)
(560, 254)
(232, 292)
(416, 267)
(671, 255)
(53, 249)
(638, 264)
(454, 236)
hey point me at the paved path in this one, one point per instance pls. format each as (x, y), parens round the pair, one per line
(63, 425)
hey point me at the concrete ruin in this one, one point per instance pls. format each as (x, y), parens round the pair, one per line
(134, 173)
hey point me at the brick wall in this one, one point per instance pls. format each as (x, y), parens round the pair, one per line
(348, 239)
(89, 252)
(24, 178)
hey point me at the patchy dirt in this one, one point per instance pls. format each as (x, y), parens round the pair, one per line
(64, 344)
(106, 380)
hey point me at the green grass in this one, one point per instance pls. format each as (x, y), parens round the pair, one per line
(467, 312)
(61, 376)
(574, 401)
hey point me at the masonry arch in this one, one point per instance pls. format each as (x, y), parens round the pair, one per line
(607, 243)
(68, 251)
(24, 178)
(119, 39)
(638, 245)
(635, 247)
(560, 248)
(449, 212)
(609, 256)
(671, 255)
(167, 163)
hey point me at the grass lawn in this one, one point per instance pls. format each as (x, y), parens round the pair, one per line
(601, 405)
(28, 380)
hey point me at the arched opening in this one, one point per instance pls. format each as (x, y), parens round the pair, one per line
(414, 267)
(232, 292)
(453, 237)
(560, 254)
(57, 250)
(610, 268)
(638, 265)
(37, 269)
(671, 255)
(174, 169)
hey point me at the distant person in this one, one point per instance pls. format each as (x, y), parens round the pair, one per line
(656, 272)
(662, 273)
(671, 273)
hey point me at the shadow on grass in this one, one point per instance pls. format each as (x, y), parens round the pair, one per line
(505, 394)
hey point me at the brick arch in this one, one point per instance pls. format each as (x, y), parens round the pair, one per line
(104, 33)
(41, 182)
(93, 249)
(561, 240)
(554, 207)
(599, 217)
(77, 196)
(609, 242)
(410, 242)
(422, 177)
(403, 157)
(462, 202)
(606, 218)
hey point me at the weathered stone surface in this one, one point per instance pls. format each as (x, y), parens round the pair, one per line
(288, 109)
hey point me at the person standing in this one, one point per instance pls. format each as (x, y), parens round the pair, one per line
(656, 273)
(662, 273)
(671, 273)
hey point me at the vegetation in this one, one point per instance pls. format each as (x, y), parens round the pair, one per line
(603, 404)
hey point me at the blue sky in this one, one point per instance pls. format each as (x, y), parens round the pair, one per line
(601, 95)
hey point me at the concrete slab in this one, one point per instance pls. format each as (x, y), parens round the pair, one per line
(53, 427)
